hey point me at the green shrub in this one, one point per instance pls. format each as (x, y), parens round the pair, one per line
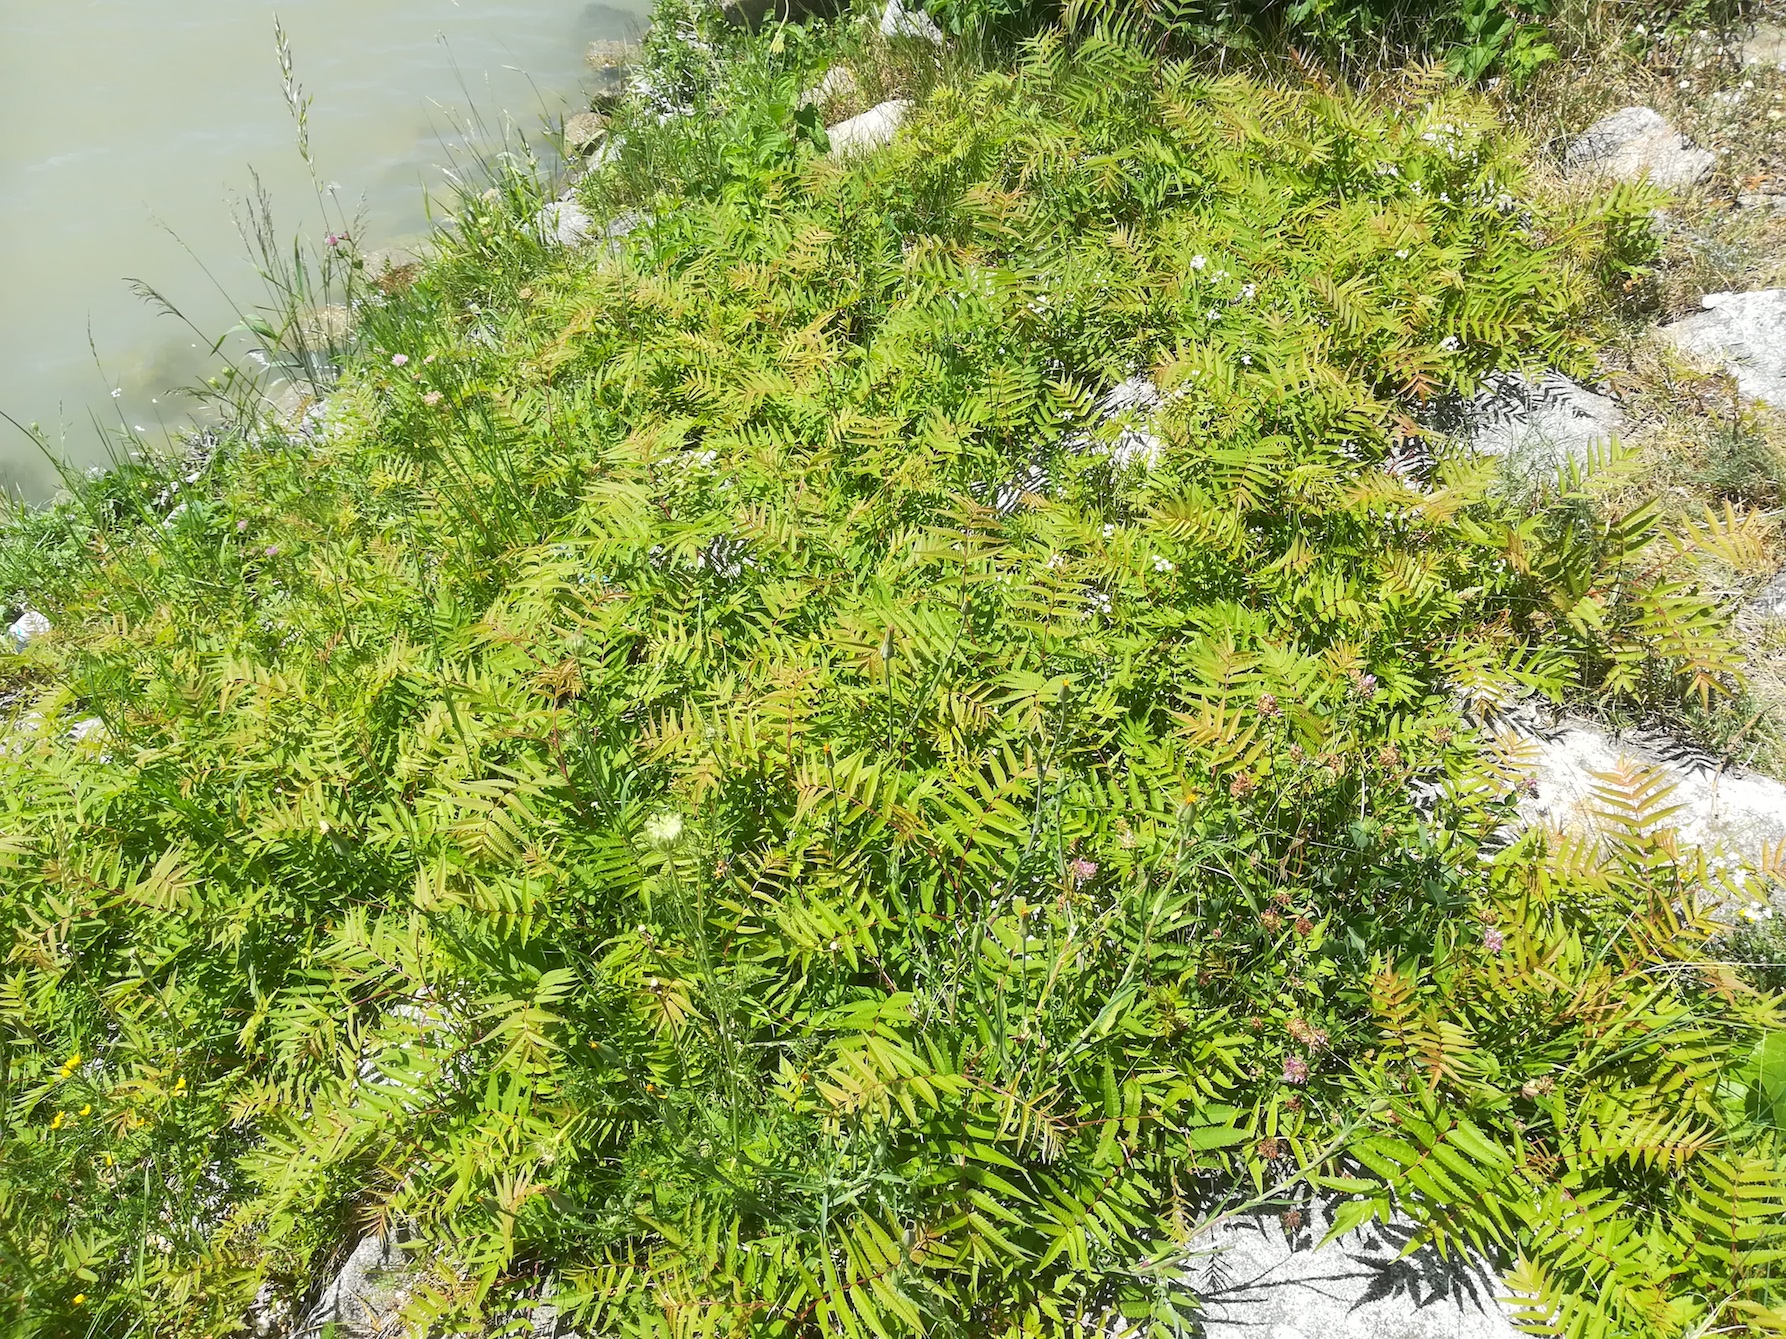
(723, 783)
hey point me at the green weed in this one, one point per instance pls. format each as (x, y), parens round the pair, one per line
(719, 777)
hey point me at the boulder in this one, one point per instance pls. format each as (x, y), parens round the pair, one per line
(610, 66)
(753, 14)
(364, 1300)
(1636, 143)
(1766, 46)
(899, 21)
(1259, 1279)
(1134, 402)
(563, 223)
(873, 128)
(1772, 202)
(27, 628)
(838, 85)
(394, 268)
(583, 132)
(1732, 811)
(1770, 602)
(1744, 334)
(1544, 421)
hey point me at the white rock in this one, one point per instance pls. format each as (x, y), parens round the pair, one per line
(368, 1293)
(1634, 143)
(583, 132)
(898, 21)
(1263, 1281)
(1771, 602)
(873, 128)
(29, 626)
(838, 84)
(1771, 201)
(1742, 333)
(563, 223)
(1542, 422)
(1766, 46)
(1135, 400)
(1735, 812)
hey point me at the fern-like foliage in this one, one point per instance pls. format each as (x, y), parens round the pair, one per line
(718, 790)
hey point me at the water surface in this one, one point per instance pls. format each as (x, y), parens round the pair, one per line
(128, 129)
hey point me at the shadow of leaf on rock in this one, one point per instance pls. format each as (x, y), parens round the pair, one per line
(1254, 1275)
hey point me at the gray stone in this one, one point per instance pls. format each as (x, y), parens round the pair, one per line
(1134, 402)
(1543, 422)
(563, 223)
(1259, 1280)
(1771, 601)
(27, 628)
(898, 21)
(610, 66)
(871, 130)
(1636, 143)
(1730, 812)
(838, 85)
(608, 151)
(365, 1299)
(388, 261)
(294, 405)
(1744, 334)
(1767, 201)
(583, 132)
(1766, 46)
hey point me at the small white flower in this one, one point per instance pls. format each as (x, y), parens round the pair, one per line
(1450, 344)
(1198, 262)
(1247, 359)
(1402, 254)
(663, 829)
(1055, 560)
(1213, 315)
(1109, 532)
(117, 393)
(1161, 564)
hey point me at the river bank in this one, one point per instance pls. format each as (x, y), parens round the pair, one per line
(909, 708)
(133, 133)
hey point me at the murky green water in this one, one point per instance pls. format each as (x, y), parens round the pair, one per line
(128, 127)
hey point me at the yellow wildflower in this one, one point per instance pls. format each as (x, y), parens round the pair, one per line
(80, 1299)
(57, 1123)
(87, 1110)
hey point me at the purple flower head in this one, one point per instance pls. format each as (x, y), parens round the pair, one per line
(1493, 940)
(1082, 870)
(331, 240)
(241, 526)
(1366, 684)
(1295, 1069)
(272, 550)
(398, 359)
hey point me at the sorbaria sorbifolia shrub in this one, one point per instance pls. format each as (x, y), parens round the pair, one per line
(726, 788)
